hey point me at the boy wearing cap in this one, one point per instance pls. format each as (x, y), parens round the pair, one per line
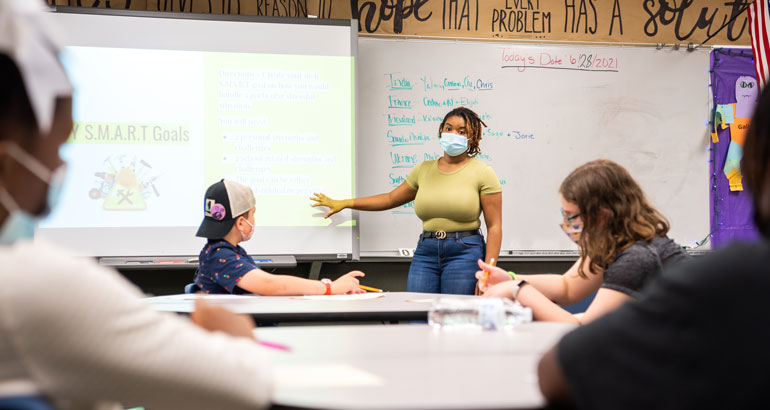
(225, 267)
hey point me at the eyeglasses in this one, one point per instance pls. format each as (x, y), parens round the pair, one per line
(569, 218)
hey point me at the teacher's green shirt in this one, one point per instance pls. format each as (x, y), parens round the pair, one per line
(451, 201)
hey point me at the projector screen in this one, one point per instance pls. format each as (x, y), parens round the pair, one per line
(167, 104)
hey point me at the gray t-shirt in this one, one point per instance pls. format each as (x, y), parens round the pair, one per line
(696, 339)
(640, 263)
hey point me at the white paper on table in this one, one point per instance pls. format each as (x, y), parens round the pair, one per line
(360, 296)
(323, 375)
(194, 296)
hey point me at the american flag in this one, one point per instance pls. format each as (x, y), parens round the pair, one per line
(759, 26)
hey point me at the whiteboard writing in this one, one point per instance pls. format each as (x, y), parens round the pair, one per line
(548, 109)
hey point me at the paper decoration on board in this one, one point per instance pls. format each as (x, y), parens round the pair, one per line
(732, 212)
(125, 184)
(723, 116)
(726, 114)
(746, 93)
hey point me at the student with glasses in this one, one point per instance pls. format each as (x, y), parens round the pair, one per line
(622, 242)
(698, 336)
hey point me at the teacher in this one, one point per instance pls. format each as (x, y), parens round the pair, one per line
(449, 195)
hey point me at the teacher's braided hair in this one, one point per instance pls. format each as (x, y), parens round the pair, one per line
(473, 124)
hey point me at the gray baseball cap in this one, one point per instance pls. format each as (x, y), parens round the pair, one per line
(225, 201)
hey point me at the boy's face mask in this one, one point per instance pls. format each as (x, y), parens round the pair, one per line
(247, 236)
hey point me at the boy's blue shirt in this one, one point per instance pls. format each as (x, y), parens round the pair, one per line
(221, 266)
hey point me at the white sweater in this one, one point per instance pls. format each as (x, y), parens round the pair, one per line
(79, 334)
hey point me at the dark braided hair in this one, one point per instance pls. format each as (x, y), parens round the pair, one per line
(15, 107)
(473, 124)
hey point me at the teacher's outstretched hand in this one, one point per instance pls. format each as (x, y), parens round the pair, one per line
(455, 189)
(334, 205)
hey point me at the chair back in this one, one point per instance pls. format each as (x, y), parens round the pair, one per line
(25, 403)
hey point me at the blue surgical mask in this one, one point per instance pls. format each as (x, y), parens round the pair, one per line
(20, 224)
(453, 144)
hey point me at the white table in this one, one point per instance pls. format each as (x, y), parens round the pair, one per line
(390, 307)
(409, 366)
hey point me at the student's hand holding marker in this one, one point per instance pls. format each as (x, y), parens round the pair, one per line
(490, 275)
(334, 205)
(347, 284)
(217, 318)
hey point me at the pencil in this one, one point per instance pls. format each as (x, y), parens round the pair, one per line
(370, 289)
(486, 272)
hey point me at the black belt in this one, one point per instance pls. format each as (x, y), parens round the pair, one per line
(444, 235)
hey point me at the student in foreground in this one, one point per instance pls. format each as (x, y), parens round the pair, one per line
(73, 333)
(225, 267)
(622, 242)
(696, 339)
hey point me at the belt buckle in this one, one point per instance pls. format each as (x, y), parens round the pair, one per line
(440, 234)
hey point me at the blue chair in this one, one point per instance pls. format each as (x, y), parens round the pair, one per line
(191, 288)
(25, 403)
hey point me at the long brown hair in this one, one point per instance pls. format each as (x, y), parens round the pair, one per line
(473, 124)
(613, 209)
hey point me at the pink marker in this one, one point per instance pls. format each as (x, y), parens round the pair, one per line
(274, 345)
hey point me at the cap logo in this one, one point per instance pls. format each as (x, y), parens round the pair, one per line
(214, 210)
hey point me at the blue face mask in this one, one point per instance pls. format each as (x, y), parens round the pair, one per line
(20, 224)
(453, 144)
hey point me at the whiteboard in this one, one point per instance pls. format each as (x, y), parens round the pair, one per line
(166, 104)
(549, 109)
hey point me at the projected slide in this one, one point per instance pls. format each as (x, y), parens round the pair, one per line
(153, 128)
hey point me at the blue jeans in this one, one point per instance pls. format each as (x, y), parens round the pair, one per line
(446, 265)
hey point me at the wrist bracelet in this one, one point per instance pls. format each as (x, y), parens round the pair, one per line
(516, 291)
(328, 284)
(513, 275)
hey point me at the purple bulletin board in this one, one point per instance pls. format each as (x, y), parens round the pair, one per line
(731, 211)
